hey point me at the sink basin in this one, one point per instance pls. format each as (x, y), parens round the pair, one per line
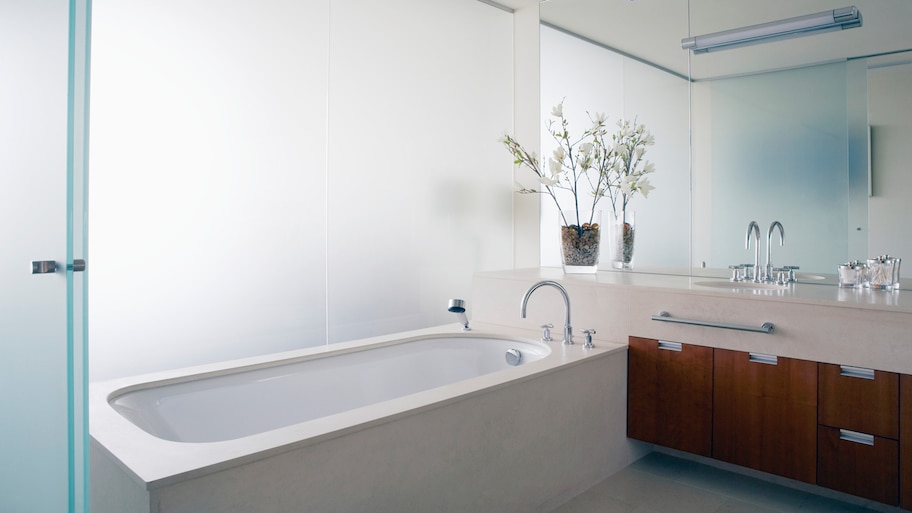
(720, 284)
(808, 277)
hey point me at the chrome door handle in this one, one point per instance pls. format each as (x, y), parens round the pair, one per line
(50, 266)
(44, 267)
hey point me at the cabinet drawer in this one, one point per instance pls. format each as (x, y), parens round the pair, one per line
(765, 413)
(669, 394)
(859, 464)
(861, 400)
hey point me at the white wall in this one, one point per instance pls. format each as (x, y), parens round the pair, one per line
(273, 175)
(890, 117)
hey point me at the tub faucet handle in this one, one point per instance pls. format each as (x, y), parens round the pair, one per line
(546, 332)
(589, 333)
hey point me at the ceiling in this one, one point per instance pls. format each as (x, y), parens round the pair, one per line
(652, 30)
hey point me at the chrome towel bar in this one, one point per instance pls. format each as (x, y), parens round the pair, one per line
(766, 327)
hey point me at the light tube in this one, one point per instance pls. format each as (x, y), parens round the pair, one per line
(836, 19)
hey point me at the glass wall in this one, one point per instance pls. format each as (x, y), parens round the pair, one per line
(274, 175)
(775, 147)
(42, 154)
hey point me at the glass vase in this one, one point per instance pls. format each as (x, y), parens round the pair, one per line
(580, 240)
(621, 233)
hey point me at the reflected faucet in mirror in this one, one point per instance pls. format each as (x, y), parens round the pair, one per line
(769, 244)
(755, 228)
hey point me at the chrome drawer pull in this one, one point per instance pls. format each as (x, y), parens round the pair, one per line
(856, 372)
(670, 346)
(766, 327)
(854, 436)
(764, 358)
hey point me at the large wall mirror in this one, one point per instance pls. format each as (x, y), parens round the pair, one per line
(813, 132)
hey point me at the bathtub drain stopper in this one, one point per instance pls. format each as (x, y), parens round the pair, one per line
(513, 356)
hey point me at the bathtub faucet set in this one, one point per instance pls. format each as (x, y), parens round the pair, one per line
(568, 329)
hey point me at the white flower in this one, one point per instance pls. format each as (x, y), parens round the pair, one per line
(555, 166)
(558, 110)
(549, 181)
(628, 185)
(643, 186)
(649, 140)
(586, 148)
(639, 152)
(559, 154)
(649, 167)
(599, 120)
(633, 183)
(621, 151)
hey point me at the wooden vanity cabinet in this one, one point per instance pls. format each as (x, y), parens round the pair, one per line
(905, 441)
(669, 394)
(765, 413)
(857, 445)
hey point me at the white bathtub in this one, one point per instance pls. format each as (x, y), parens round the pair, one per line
(430, 420)
(244, 402)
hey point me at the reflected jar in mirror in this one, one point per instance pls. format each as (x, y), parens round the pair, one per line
(851, 274)
(621, 236)
(883, 273)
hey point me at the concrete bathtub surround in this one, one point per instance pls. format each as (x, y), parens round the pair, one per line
(523, 438)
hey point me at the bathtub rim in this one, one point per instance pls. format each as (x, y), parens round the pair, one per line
(155, 463)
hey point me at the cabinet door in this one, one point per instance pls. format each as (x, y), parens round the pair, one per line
(765, 413)
(862, 465)
(669, 394)
(905, 440)
(862, 400)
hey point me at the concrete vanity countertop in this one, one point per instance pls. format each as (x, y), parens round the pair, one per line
(812, 321)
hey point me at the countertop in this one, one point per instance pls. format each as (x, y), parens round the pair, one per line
(812, 292)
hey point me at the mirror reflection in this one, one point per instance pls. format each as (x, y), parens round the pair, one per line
(808, 131)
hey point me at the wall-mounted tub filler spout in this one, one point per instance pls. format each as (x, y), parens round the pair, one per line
(457, 306)
(769, 237)
(568, 330)
(755, 228)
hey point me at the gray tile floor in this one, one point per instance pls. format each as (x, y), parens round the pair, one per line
(660, 483)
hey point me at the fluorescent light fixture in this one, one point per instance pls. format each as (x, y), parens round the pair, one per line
(836, 19)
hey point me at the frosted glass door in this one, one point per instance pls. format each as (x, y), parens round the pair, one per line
(42, 421)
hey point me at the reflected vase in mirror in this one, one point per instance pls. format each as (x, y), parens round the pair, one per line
(580, 240)
(621, 233)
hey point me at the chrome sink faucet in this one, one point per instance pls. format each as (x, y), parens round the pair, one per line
(568, 330)
(769, 237)
(755, 228)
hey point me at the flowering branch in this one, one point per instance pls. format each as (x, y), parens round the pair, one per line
(612, 166)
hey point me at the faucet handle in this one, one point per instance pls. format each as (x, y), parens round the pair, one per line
(780, 276)
(791, 272)
(589, 333)
(749, 271)
(546, 332)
